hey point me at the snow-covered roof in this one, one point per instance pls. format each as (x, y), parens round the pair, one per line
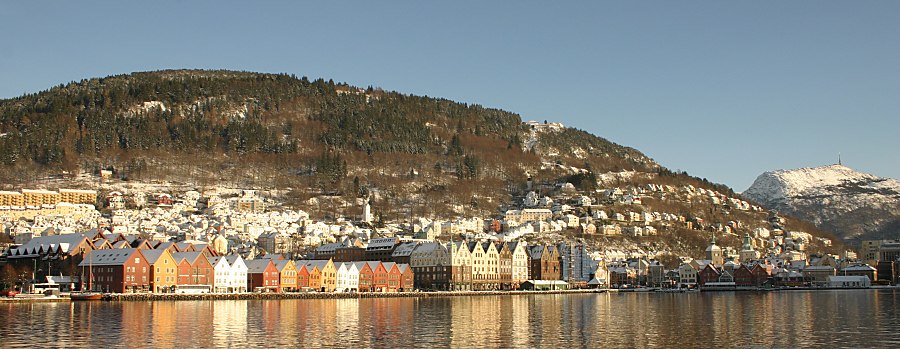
(404, 249)
(382, 243)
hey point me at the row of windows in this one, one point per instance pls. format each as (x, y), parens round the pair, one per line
(132, 269)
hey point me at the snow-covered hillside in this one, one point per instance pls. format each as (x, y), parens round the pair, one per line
(853, 205)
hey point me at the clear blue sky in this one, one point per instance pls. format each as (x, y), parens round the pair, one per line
(722, 90)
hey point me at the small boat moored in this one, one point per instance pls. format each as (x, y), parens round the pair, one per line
(85, 296)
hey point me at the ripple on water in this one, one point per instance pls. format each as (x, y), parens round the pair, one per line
(864, 318)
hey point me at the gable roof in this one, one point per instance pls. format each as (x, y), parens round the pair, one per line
(256, 266)
(359, 265)
(320, 263)
(233, 258)
(108, 257)
(536, 251)
(153, 255)
(191, 257)
(427, 247)
(101, 244)
(185, 247)
(281, 264)
(167, 245)
(67, 242)
(141, 244)
(389, 265)
(215, 260)
(114, 237)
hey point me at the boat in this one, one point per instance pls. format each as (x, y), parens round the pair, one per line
(671, 290)
(86, 296)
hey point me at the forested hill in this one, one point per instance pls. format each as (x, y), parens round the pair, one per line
(99, 122)
(230, 112)
(323, 146)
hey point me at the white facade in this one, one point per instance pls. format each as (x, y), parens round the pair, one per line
(222, 279)
(238, 278)
(347, 277)
(519, 262)
(687, 274)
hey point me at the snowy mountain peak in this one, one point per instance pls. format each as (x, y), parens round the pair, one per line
(834, 197)
(791, 183)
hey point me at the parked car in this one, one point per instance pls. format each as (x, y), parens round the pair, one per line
(9, 293)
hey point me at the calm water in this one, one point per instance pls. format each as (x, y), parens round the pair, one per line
(830, 319)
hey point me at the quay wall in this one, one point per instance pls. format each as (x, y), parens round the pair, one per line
(316, 295)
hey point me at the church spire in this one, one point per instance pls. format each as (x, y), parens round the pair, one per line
(747, 245)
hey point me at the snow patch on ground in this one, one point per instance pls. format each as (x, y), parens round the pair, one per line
(145, 107)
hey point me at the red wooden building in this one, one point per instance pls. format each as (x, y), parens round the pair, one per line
(708, 274)
(394, 274)
(123, 270)
(366, 275)
(302, 276)
(193, 269)
(262, 276)
(380, 277)
(407, 278)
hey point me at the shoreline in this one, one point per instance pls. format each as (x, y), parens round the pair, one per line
(125, 297)
(131, 297)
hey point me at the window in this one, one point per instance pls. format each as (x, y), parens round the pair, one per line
(137, 260)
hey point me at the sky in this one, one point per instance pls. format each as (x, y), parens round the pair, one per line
(721, 90)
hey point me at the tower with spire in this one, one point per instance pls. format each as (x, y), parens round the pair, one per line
(714, 253)
(747, 252)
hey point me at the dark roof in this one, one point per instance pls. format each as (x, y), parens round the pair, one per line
(108, 257)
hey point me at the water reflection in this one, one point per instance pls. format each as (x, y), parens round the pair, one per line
(853, 318)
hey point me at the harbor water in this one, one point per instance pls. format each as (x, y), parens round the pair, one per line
(832, 319)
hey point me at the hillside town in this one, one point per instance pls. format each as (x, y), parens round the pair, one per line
(238, 241)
